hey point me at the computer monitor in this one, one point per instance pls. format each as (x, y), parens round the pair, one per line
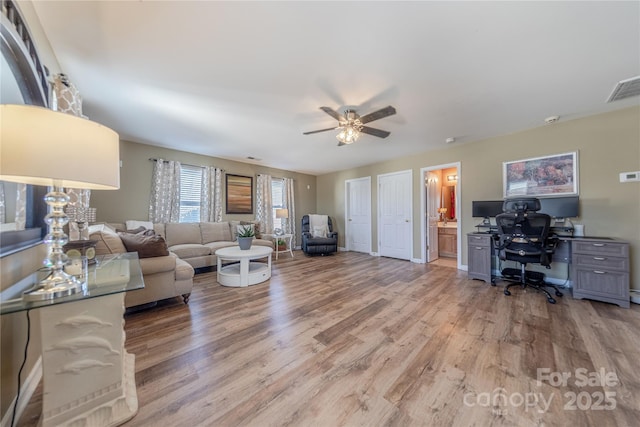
(486, 209)
(560, 207)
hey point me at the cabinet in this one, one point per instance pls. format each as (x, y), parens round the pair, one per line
(480, 257)
(600, 270)
(448, 242)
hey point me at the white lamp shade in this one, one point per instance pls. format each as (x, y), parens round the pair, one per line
(282, 213)
(44, 147)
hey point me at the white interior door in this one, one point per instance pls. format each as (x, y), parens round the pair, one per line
(395, 224)
(358, 226)
(433, 189)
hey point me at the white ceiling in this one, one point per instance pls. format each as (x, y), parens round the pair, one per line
(238, 79)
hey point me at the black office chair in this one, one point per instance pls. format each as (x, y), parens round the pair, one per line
(523, 236)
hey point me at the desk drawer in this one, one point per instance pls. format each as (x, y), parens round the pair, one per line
(600, 283)
(600, 248)
(479, 240)
(601, 262)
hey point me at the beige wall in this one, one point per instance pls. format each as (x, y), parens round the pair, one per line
(607, 144)
(131, 201)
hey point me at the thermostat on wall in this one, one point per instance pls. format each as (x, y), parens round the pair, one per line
(630, 176)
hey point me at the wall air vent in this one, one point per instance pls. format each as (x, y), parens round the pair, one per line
(625, 89)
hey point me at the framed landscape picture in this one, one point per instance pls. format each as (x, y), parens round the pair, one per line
(239, 192)
(555, 175)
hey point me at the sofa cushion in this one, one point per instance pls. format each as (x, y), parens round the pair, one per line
(108, 242)
(160, 264)
(159, 229)
(134, 231)
(215, 231)
(182, 233)
(190, 250)
(262, 242)
(214, 246)
(233, 229)
(147, 246)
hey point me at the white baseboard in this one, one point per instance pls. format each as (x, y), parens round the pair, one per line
(26, 391)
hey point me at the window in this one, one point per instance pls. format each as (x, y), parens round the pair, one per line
(277, 199)
(190, 193)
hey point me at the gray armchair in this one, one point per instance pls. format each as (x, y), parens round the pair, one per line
(318, 245)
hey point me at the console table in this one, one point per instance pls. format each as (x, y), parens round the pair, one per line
(88, 377)
(599, 265)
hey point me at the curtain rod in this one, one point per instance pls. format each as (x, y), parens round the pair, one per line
(274, 177)
(153, 159)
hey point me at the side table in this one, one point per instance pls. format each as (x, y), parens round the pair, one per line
(288, 240)
(88, 377)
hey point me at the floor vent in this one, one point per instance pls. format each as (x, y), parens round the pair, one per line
(625, 89)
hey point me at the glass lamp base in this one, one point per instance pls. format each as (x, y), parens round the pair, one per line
(55, 286)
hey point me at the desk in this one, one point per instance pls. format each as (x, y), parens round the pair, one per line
(88, 377)
(599, 265)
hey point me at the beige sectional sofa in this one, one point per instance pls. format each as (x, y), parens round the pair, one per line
(190, 245)
(197, 243)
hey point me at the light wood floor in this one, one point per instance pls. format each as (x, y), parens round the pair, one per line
(355, 340)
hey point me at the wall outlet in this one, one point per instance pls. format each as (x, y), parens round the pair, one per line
(630, 176)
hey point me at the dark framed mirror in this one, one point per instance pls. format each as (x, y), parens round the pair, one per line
(23, 82)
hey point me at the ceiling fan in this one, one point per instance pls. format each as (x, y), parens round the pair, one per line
(351, 124)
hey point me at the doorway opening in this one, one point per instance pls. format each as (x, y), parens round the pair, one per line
(441, 226)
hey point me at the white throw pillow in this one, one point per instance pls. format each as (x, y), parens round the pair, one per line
(133, 224)
(94, 228)
(319, 231)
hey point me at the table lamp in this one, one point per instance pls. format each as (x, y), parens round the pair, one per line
(44, 147)
(281, 213)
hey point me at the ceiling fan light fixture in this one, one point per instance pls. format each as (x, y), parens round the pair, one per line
(348, 135)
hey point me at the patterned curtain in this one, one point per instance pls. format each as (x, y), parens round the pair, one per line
(211, 197)
(288, 202)
(164, 205)
(264, 206)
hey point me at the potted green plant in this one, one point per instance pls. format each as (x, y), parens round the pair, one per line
(245, 237)
(282, 245)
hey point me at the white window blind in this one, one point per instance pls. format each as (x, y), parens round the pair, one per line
(277, 188)
(190, 185)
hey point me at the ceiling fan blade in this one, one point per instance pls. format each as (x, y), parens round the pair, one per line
(321, 130)
(375, 132)
(332, 113)
(377, 115)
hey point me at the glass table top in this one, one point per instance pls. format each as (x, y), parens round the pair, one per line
(111, 274)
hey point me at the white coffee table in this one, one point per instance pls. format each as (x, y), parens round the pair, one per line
(244, 273)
